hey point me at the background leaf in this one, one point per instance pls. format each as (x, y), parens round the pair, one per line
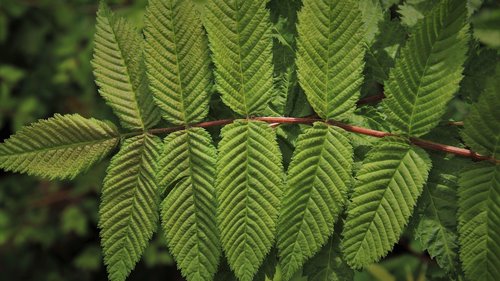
(479, 214)
(437, 208)
(482, 125)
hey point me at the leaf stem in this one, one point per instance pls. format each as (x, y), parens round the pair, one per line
(350, 128)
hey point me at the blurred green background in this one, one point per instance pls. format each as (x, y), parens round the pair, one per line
(48, 230)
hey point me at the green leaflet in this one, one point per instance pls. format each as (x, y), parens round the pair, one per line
(178, 61)
(330, 55)
(479, 218)
(428, 71)
(120, 71)
(482, 126)
(249, 187)
(187, 169)
(240, 40)
(128, 214)
(60, 147)
(437, 208)
(318, 179)
(388, 185)
(328, 264)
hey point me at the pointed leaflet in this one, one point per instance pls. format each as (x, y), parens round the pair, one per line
(479, 193)
(128, 214)
(330, 55)
(249, 187)
(120, 71)
(318, 181)
(482, 126)
(60, 147)
(240, 40)
(429, 69)
(187, 170)
(437, 208)
(479, 218)
(178, 61)
(388, 185)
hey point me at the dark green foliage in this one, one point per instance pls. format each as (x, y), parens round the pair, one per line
(230, 78)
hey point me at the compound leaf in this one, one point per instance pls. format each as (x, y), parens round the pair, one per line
(241, 43)
(249, 187)
(120, 71)
(128, 214)
(330, 55)
(388, 185)
(178, 61)
(187, 170)
(429, 69)
(318, 181)
(60, 147)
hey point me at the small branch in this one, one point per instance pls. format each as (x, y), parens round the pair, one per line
(371, 99)
(350, 128)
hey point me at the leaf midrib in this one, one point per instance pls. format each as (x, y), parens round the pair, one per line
(176, 53)
(137, 185)
(126, 64)
(310, 189)
(62, 147)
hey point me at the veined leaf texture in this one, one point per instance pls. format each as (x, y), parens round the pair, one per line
(387, 188)
(60, 147)
(186, 170)
(240, 39)
(479, 214)
(249, 190)
(128, 214)
(319, 178)
(120, 71)
(429, 69)
(330, 55)
(220, 195)
(177, 57)
(479, 192)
